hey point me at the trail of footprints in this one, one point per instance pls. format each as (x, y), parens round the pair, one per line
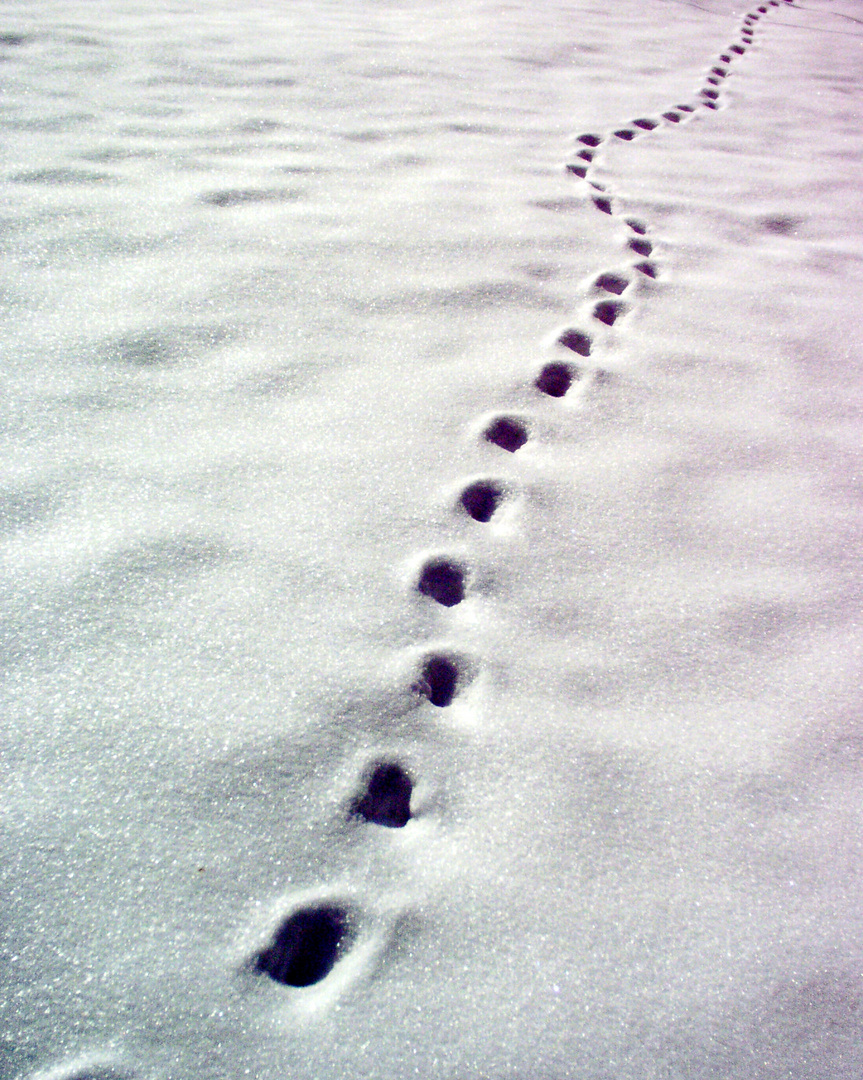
(308, 944)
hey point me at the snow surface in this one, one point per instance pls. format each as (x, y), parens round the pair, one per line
(272, 271)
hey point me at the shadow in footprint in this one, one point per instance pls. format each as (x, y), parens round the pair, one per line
(556, 378)
(577, 170)
(480, 500)
(613, 283)
(626, 134)
(507, 433)
(737, 49)
(306, 946)
(725, 58)
(585, 155)
(609, 311)
(673, 117)
(646, 268)
(576, 341)
(443, 581)
(641, 247)
(684, 108)
(602, 203)
(439, 681)
(711, 95)
(387, 798)
(636, 225)
(590, 140)
(645, 124)
(719, 72)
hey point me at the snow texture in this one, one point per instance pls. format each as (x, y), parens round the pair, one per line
(431, 508)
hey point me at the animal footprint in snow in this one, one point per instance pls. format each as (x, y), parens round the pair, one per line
(576, 341)
(609, 311)
(640, 246)
(602, 203)
(590, 140)
(646, 268)
(387, 797)
(442, 580)
(507, 432)
(305, 948)
(439, 680)
(613, 283)
(556, 378)
(481, 499)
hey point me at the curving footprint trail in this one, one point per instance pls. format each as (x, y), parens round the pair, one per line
(306, 945)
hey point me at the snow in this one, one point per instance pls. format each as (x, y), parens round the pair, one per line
(272, 274)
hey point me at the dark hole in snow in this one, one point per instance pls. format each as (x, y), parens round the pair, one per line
(607, 311)
(625, 134)
(613, 283)
(641, 247)
(636, 226)
(387, 798)
(576, 341)
(442, 581)
(672, 116)
(577, 170)
(590, 140)
(439, 680)
(646, 268)
(556, 378)
(602, 203)
(305, 947)
(481, 499)
(507, 433)
(645, 124)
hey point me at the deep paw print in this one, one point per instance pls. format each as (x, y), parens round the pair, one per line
(481, 499)
(443, 580)
(609, 311)
(576, 341)
(507, 432)
(386, 799)
(556, 378)
(306, 946)
(613, 283)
